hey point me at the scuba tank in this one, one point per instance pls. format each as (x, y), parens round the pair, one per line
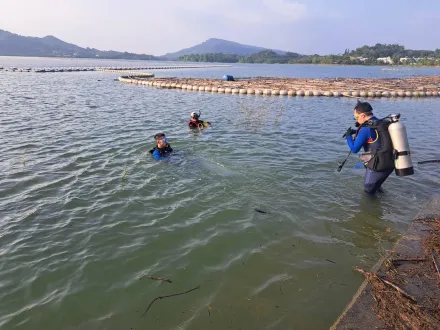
(402, 154)
(394, 152)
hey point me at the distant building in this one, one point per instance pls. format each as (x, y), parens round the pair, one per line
(386, 60)
(358, 58)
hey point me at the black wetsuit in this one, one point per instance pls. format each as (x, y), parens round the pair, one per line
(159, 153)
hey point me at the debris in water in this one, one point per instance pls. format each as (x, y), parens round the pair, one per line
(330, 261)
(261, 211)
(168, 296)
(429, 161)
(157, 278)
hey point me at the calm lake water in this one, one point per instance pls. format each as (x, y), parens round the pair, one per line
(85, 213)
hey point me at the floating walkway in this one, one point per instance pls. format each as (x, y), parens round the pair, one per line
(124, 70)
(419, 86)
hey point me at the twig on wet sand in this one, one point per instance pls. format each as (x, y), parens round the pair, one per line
(434, 259)
(168, 296)
(397, 288)
(385, 281)
(408, 260)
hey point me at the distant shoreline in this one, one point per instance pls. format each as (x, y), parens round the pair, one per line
(230, 63)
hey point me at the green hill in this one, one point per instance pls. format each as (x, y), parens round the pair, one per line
(16, 45)
(215, 46)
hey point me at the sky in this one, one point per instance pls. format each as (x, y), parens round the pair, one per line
(157, 27)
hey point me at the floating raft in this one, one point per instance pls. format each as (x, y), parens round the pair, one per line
(124, 70)
(418, 86)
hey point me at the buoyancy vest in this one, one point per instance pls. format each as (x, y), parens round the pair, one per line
(381, 149)
(163, 152)
(193, 123)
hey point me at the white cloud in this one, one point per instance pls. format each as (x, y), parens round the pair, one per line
(287, 10)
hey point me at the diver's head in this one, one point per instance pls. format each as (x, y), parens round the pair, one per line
(363, 111)
(194, 115)
(161, 140)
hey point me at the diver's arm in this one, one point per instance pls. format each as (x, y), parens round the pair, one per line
(361, 138)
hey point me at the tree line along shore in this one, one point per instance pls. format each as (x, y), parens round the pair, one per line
(380, 54)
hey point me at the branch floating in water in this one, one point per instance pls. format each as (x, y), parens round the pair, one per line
(429, 161)
(168, 296)
(157, 278)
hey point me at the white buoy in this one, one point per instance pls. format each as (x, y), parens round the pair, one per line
(356, 94)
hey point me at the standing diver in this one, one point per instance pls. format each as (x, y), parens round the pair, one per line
(372, 134)
(162, 149)
(195, 121)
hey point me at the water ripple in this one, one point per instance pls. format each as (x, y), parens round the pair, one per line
(85, 213)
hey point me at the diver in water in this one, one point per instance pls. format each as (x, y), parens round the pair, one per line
(162, 149)
(372, 134)
(195, 121)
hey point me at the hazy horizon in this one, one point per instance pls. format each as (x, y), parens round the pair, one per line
(156, 28)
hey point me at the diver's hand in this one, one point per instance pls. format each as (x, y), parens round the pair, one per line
(349, 132)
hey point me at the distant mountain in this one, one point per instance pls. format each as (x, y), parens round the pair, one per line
(213, 45)
(16, 45)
